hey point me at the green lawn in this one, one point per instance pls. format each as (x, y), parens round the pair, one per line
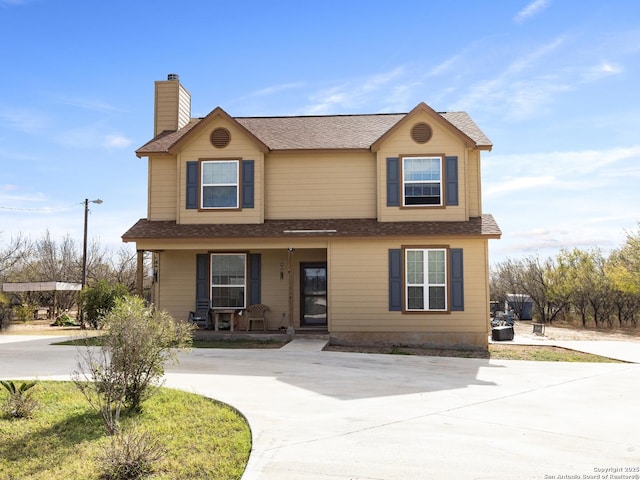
(203, 439)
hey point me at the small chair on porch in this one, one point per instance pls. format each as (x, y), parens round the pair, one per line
(255, 313)
(201, 314)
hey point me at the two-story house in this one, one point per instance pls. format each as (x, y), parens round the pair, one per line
(367, 226)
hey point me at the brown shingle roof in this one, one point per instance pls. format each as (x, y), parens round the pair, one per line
(462, 121)
(318, 132)
(324, 132)
(165, 229)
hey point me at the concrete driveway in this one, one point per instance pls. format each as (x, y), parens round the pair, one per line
(334, 415)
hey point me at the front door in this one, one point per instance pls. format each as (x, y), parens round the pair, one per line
(313, 290)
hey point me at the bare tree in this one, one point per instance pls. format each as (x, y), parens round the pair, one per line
(535, 278)
(15, 252)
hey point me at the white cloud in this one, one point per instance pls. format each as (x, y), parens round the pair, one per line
(116, 141)
(276, 89)
(573, 199)
(522, 88)
(445, 66)
(570, 169)
(531, 10)
(87, 104)
(518, 185)
(91, 136)
(358, 92)
(23, 119)
(601, 70)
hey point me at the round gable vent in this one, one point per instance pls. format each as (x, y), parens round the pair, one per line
(421, 132)
(220, 137)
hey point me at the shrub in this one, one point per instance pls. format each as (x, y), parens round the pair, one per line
(102, 385)
(19, 403)
(141, 341)
(5, 311)
(64, 320)
(99, 298)
(131, 455)
(138, 342)
(25, 311)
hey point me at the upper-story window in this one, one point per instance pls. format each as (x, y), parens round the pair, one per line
(422, 181)
(220, 184)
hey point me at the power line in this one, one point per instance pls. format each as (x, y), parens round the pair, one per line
(37, 210)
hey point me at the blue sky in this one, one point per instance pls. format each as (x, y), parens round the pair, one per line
(553, 83)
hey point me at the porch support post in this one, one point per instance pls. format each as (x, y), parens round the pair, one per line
(140, 272)
(290, 255)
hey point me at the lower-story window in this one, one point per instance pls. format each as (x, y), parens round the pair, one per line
(426, 279)
(228, 280)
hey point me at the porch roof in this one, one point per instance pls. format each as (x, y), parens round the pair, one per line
(484, 226)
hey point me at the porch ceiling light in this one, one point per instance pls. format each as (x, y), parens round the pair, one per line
(310, 231)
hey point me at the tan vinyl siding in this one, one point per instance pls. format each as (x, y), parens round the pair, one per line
(162, 188)
(172, 106)
(359, 283)
(320, 185)
(166, 106)
(275, 291)
(177, 273)
(176, 283)
(184, 107)
(442, 142)
(474, 176)
(240, 147)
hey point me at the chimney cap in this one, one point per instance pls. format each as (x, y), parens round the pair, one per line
(173, 76)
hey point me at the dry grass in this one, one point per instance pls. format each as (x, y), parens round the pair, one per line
(495, 352)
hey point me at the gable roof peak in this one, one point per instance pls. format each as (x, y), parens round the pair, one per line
(458, 123)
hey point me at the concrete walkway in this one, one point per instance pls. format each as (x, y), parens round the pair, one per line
(339, 416)
(305, 345)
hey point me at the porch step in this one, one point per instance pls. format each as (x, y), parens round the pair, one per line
(306, 344)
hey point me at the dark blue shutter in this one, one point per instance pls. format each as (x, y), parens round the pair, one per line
(254, 278)
(395, 280)
(192, 185)
(202, 279)
(451, 175)
(247, 184)
(393, 182)
(457, 279)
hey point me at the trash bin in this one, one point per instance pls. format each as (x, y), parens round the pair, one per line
(502, 333)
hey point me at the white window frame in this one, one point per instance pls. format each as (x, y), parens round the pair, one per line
(439, 182)
(426, 283)
(213, 285)
(235, 184)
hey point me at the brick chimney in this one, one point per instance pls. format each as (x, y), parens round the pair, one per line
(172, 105)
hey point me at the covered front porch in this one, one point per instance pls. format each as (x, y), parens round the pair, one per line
(217, 286)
